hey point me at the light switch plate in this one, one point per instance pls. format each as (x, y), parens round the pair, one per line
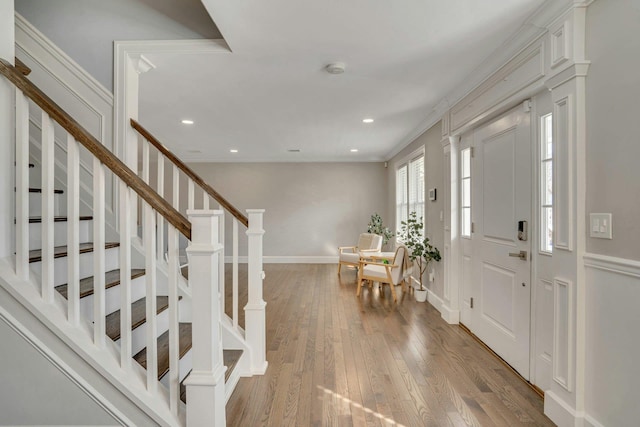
(600, 226)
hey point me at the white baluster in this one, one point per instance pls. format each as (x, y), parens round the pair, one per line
(149, 233)
(174, 335)
(255, 319)
(176, 188)
(48, 167)
(205, 383)
(191, 194)
(22, 186)
(161, 193)
(234, 268)
(73, 230)
(221, 266)
(98, 254)
(125, 275)
(145, 161)
(205, 200)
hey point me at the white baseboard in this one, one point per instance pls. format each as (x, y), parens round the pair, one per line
(450, 316)
(559, 411)
(589, 421)
(290, 259)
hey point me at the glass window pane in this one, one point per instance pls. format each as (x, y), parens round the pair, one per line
(547, 229)
(466, 192)
(466, 162)
(466, 222)
(548, 183)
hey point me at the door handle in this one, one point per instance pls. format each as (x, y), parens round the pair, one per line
(522, 255)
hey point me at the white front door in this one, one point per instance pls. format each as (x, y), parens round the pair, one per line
(501, 199)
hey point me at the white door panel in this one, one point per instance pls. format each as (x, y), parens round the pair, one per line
(501, 196)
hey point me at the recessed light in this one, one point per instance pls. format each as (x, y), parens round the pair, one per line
(354, 150)
(293, 150)
(367, 120)
(187, 122)
(233, 150)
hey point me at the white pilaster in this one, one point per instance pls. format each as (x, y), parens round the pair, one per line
(255, 310)
(7, 126)
(205, 383)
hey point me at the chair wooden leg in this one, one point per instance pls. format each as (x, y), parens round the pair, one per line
(339, 267)
(359, 282)
(393, 292)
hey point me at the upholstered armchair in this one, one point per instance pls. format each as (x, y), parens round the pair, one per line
(393, 273)
(350, 255)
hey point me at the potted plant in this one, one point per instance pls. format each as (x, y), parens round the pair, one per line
(376, 227)
(421, 252)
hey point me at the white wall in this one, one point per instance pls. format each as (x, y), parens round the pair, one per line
(311, 208)
(613, 125)
(101, 22)
(433, 171)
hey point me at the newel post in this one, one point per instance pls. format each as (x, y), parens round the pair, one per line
(205, 383)
(254, 311)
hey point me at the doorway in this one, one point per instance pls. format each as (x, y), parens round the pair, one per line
(496, 186)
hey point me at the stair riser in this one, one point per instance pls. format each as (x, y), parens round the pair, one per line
(86, 265)
(185, 366)
(59, 233)
(139, 334)
(112, 298)
(35, 204)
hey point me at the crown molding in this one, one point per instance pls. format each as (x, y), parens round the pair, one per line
(534, 27)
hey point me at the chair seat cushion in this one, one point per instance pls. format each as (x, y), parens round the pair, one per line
(350, 257)
(375, 271)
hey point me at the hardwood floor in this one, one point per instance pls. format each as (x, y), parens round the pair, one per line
(338, 360)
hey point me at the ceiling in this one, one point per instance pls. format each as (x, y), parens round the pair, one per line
(270, 93)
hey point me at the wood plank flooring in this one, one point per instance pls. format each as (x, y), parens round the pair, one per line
(338, 360)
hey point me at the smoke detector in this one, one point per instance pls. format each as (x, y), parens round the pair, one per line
(335, 68)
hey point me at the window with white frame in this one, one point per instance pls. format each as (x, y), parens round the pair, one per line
(410, 189)
(546, 183)
(465, 202)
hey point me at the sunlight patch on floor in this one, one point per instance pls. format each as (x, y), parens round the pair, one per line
(337, 398)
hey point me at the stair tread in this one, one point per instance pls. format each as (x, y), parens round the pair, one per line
(184, 333)
(111, 279)
(38, 219)
(39, 190)
(35, 255)
(138, 316)
(230, 360)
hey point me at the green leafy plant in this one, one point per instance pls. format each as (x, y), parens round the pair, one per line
(377, 227)
(420, 250)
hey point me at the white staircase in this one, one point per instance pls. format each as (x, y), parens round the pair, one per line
(114, 292)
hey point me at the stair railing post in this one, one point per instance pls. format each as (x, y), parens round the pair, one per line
(205, 383)
(255, 310)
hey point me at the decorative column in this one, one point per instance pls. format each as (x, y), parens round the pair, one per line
(7, 138)
(255, 313)
(205, 383)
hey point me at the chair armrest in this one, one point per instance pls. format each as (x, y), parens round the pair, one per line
(363, 263)
(369, 250)
(343, 248)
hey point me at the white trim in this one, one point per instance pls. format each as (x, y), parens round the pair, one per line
(65, 369)
(290, 259)
(558, 411)
(589, 421)
(611, 264)
(564, 379)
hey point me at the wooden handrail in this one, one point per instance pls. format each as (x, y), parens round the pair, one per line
(94, 146)
(190, 173)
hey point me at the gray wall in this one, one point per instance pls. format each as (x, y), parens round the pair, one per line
(613, 123)
(35, 392)
(311, 208)
(433, 170)
(101, 22)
